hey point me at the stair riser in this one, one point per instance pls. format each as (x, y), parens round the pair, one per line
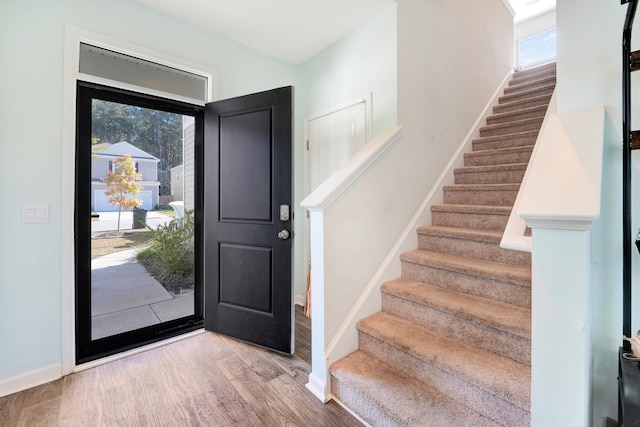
(520, 156)
(480, 197)
(501, 342)
(470, 220)
(458, 389)
(520, 96)
(359, 404)
(489, 177)
(515, 116)
(473, 249)
(506, 141)
(521, 86)
(520, 105)
(509, 128)
(501, 290)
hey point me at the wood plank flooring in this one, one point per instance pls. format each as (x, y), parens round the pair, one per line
(206, 380)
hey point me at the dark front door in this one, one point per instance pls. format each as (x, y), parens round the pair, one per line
(247, 200)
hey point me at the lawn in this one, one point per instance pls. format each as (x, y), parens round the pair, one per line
(103, 244)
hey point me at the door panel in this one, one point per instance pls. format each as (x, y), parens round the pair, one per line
(245, 273)
(248, 292)
(245, 166)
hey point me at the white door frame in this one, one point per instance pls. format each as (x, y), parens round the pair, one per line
(73, 37)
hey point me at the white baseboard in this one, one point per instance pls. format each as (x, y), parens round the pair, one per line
(317, 387)
(299, 300)
(30, 379)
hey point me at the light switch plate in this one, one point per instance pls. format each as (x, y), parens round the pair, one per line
(32, 214)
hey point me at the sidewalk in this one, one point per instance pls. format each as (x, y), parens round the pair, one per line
(124, 296)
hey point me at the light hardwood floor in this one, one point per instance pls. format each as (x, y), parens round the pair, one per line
(206, 380)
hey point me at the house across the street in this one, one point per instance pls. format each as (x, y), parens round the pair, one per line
(146, 164)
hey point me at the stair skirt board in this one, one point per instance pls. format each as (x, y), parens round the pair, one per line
(452, 344)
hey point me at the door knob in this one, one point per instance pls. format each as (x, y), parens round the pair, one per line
(283, 235)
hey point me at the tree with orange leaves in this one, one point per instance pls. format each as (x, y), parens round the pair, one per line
(122, 182)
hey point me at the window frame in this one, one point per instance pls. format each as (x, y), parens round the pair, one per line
(72, 38)
(539, 62)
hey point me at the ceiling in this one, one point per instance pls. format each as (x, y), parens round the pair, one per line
(294, 30)
(527, 9)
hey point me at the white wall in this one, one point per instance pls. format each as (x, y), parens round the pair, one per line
(31, 84)
(589, 75)
(363, 62)
(535, 25)
(445, 77)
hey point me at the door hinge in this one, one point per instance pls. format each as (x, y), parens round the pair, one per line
(307, 145)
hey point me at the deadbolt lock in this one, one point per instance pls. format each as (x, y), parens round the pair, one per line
(284, 212)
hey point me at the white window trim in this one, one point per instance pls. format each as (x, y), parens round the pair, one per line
(73, 37)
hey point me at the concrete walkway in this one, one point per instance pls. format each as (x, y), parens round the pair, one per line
(124, 296)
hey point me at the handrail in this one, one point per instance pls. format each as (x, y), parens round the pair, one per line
(333, 187)
(626, 169)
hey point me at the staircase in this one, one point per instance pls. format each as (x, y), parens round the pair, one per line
(452, 344)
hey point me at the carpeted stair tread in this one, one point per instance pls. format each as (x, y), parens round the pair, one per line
(491, 168)
(533, 73)
(472, 243)
(483, 187)
(512, 127)
(490, 174)
(512, 116)
(522, 104)
(481, 194)
(384, 396)
(489, 236)
(526, 94)
(485, 217)
(523, 85)
(507, 155)
(477, 209)
(514, 274)
(517, 139)
(495, 314)
(497, 375)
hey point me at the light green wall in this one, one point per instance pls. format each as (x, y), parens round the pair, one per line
(31, 121)
(361, 63)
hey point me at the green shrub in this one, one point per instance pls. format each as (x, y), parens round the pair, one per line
(170, 250)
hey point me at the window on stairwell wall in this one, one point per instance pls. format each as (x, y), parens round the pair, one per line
(537, 49)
